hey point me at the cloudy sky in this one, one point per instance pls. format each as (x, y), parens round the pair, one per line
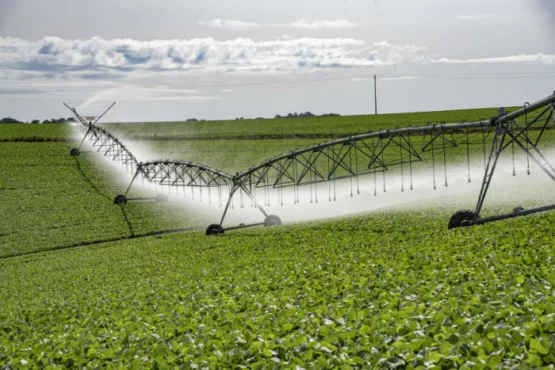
(176, 59)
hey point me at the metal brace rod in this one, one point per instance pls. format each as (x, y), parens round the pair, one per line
(132, 181)
(436, 135)
(495, 150)
(496, 121)
(237, 186)
(504, 128)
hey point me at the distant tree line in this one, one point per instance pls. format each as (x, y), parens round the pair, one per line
(36, 121)
(306, 114)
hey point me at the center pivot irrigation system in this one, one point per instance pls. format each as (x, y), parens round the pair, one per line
(372, 155)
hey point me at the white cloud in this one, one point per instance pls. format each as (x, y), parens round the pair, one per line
(107, 93)
(301, 23)
(333, 24)
(519, 58)
(227, 90)
(400, 78)
(162, 92)
(241, 55)
(396, 53)
(361, 79)
(229, 24)
(385, 78)
(128, 61)
(477, 17)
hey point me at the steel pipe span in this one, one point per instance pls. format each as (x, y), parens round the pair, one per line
(105, 142)
(447, 127)
(164, 172)
(350, 157)
(183, 173)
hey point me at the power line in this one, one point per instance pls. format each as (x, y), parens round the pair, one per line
(376, 94)
(384, 77)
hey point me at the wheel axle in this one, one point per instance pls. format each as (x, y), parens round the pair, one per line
(461, 218)
(120, 199)
(214, 229)
(272, 220)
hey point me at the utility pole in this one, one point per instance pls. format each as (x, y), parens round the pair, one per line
(375, 95)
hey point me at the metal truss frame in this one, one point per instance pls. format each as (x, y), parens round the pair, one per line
(348, 158)
(90, 127)
(110, 146)
(507, 134)
(178, 174)
(300, 167)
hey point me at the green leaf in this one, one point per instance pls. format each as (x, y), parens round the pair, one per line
(453, 339)
(160, 360)
(537, 346)
(487, 346)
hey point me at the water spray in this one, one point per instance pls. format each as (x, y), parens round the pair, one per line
(349, 159)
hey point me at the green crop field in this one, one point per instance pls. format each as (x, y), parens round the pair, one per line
(89, 284)
(54, 200)
(33, 132)
(292, 127)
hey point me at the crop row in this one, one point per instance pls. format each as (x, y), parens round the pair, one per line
(25, 132)
(55, 200)
(395, 290)
(289, 128)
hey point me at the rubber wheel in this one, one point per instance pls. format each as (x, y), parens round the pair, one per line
(120, 199)
(161, 198)
(461, 218)
(272, 220)
(214, 229)
(74, 152)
